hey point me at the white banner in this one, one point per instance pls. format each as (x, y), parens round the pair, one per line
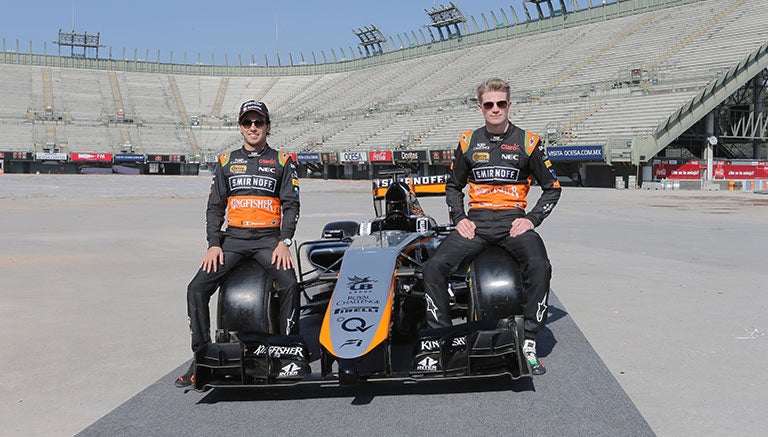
(44, 156)
(352, 157)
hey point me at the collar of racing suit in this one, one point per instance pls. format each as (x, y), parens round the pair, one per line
(498, 138)
(255, 153)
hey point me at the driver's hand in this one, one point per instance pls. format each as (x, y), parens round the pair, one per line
(213, 257)
(281, 257)
(520, 226)
(466, 228)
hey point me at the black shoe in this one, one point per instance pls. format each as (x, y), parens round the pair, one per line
(529, 352)
(186, 379)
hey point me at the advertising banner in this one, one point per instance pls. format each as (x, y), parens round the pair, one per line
(91, 157)
(696, 169)
(329, 158)
(413, 156)
(384, 156)
(16, 156)
(423, 185)
(757, 170)
(129, 157)
(690, 170)
(441, 157)
(166, 158)
(308, 158)
(353, 157)
(663, 168)
(575, 153)
(48, 156)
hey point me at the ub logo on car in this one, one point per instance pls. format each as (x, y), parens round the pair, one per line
(357, 283)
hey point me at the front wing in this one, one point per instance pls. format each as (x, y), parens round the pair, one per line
(469, 350)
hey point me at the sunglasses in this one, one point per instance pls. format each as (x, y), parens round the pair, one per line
(247, 123)
(502, 104)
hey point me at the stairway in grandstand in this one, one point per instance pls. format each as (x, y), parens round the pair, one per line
(217, 104)
(116, 96)
(184, 116)
(47, 89)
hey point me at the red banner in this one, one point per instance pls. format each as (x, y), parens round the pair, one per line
(689, 170)
(672, 169)
(380, 156)
(734, 171)
(93, 157)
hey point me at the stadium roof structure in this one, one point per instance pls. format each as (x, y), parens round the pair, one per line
(552, 10)
(443, 17)
(371, 39)
(605, 75)
(83, 40)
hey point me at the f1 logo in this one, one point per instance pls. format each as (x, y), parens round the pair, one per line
(356, 342)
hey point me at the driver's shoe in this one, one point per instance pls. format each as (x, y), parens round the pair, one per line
(529, 352)
(186, 379)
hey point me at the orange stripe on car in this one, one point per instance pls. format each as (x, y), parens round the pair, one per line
(325, 331)
(382, 331)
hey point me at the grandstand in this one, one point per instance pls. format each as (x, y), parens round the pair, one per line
(634, 77)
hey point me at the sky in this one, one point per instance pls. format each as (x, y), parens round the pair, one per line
(207, 30)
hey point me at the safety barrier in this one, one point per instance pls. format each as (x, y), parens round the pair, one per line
(748, 185)
(716, 185)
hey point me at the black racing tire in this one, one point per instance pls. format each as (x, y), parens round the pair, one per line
(247, 301)
(495, 286)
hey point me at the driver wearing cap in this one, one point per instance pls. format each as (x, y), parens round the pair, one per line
(256, 189)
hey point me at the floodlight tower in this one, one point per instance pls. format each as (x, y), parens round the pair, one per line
(445, 17)
(552, 10)
(371, 39)
(84, 40)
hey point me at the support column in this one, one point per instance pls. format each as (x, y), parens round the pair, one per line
(757, 97)
(709, 127)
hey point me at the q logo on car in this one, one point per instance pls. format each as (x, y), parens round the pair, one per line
(353, 324)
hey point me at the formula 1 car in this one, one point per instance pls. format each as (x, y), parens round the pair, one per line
(366, 281)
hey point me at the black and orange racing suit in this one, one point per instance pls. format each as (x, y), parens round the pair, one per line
(258, 193)
(499, 170)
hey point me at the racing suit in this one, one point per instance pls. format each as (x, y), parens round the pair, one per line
(499, 170)
(258, 192)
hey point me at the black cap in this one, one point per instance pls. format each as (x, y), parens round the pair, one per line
(253, 105)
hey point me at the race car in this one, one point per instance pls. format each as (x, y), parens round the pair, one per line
(365, 280)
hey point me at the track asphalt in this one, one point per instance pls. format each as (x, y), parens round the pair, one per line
(657, 322)
(578, 396)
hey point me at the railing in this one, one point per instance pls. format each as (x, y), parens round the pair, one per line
(480, 37)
